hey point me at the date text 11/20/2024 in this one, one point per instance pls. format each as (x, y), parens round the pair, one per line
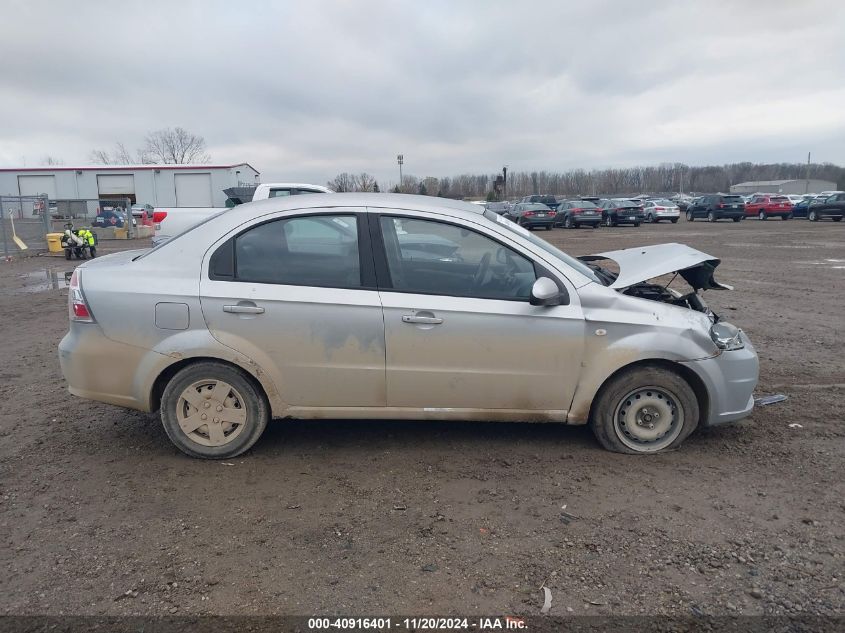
(418, 624)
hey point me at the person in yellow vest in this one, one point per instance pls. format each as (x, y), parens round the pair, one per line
(88, 236)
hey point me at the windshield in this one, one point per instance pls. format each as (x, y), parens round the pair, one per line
(543, 244)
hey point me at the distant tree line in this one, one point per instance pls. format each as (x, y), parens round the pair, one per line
(663, 178)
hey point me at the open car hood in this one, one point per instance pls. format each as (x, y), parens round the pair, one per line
(647, 262)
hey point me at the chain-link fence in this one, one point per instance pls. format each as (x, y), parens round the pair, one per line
(26, 221)
(24, 224)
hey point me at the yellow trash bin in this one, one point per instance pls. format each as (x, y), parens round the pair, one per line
(54, 242)
(121, 234)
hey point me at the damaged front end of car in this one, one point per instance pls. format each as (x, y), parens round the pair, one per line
(638, 267)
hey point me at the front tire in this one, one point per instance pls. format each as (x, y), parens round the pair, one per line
(213, 411)
(762, 215)
(812, 216)
(690, 216)
(646, 409)
(567, 222)
(711, 217)
(608, 221)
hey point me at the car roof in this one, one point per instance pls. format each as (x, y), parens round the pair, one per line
(376, 201)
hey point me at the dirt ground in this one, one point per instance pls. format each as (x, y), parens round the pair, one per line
(99, 514)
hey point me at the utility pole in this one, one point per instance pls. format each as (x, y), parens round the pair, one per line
(400, 158)
(807, 185)
(505, 185)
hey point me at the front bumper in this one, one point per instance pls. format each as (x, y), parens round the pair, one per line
(730, 379)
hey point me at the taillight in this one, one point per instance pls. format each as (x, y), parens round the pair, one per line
(527, 213)
(77, 307)
(721, 206)
(158, 216)
(577, 211)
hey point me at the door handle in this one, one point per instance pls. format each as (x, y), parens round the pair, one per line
(428, 320)
(243, 309)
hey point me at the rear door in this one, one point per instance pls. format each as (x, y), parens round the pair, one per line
(460, 333)
(297, 295)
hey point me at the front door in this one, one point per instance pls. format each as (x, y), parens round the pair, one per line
(460, 332)
(292, 294)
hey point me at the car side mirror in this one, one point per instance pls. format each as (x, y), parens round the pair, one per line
(545, 292)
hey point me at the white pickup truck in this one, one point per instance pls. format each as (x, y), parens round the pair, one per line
(170, 221)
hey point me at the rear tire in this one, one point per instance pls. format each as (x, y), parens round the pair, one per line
(812, 216)
(567, 222)
(690, 216)
(788, 216)
(762, 215)
(609, 221)
(68, 254)
(839, 219)
(650, 219)
(711, 217)
(220, 390)
(548, 227)
(646, 409)
(674, 220)
(736, 219)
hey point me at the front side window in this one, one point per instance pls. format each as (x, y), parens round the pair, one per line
(319, 250)
(429, 257)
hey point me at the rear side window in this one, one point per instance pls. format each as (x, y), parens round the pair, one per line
(320, 250)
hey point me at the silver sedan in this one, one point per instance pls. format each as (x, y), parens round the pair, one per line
(365, 306)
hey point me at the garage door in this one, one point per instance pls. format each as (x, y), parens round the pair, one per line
(37, 186)
(193, 190)
(116, 184)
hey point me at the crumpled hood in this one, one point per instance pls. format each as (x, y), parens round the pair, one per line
(647, 262)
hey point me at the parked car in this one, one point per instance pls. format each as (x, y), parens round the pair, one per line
(573, 213)
(717, 207)
(314, 308)
(110, 217)
(143, 214)
(794, 198)
(549, 201)
(833, 207)
(661, 209)
(800, 209)
(594, 199)
(499, 208)
(764, 206)
(616, 211)
(531, 214)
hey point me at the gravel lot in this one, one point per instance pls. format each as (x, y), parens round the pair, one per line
(99, 514)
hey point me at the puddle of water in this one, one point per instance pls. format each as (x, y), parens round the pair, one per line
(43, 280)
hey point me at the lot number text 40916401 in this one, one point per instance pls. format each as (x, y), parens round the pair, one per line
(418, 624)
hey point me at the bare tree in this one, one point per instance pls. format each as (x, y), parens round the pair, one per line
(363, 182)
(342, 183)
(52, 160)
(174, 146)
(118, 156)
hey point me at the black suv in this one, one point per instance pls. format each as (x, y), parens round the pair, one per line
(717, 207)
(832, 207)
(549, 201)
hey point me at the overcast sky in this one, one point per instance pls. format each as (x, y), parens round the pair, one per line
(305, 90)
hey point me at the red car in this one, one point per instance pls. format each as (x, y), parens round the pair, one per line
(765, 206)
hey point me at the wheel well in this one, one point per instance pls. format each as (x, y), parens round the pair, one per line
(164, 377)
(692, 379)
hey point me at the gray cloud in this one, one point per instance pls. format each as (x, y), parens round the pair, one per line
(306, 90)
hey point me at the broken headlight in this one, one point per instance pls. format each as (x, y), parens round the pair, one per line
(726, 336)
